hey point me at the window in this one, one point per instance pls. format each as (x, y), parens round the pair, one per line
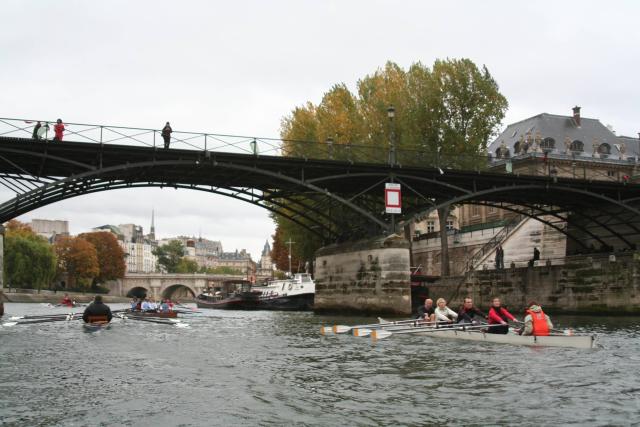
(604, 148)
(611, 173)
(449, 224)
(577, 146)
(492, 209)
(431, 226)
(516, 147)
(475, 210)
(548, 144)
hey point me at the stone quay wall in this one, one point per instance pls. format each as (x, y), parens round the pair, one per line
(607, 284)
(367, 276)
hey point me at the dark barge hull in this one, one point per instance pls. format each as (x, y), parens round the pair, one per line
(301, 302)
(233, 303)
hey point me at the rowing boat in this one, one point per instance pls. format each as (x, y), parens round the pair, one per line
(571, 341)
(158, 315)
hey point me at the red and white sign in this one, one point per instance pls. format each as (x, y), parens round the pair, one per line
(392, 198)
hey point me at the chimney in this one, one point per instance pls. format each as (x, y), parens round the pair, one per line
(576, 115)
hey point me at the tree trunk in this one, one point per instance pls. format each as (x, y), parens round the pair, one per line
(443, 214)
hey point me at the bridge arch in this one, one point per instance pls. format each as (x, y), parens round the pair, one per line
(178, 291)
(138, 292)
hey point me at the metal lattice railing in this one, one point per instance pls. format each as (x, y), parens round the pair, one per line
(327, 150)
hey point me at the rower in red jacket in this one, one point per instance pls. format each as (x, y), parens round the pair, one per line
(499, 316)
(66, 301)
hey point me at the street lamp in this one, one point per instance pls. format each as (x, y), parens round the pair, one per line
(391, 113)
(329, 143)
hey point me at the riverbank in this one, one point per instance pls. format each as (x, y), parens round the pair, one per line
(32, 295)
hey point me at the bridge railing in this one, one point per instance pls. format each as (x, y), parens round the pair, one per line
(327, 150)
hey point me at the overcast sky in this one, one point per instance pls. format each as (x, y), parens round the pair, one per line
(238, 67)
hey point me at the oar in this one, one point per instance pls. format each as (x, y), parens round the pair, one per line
(175, 322)
(378, 334)
(31, 322)
(363, 332)
(341, 329)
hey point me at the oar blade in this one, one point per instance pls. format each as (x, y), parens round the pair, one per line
(341, 329)
(326, 330)
(9, 324)
(181, 325)
(361, 332)
(378, 334)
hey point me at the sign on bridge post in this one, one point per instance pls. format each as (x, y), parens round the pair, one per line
(392, 202)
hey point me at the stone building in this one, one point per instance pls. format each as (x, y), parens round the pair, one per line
(545, 144)
(49, 229)
(265, 265)
(137, 247)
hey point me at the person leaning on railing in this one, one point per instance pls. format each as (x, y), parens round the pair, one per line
(166, 135)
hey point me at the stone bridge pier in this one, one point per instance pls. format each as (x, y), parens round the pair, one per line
(368, 276)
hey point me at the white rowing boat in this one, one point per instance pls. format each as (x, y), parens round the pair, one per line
(571, 341)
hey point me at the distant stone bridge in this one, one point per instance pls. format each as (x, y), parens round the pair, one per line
(174, 286)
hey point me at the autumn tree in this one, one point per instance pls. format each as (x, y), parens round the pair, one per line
(280, 250)
(30, 261)
(111, 264)
(444, 117)
(170, 255)
(78, 260)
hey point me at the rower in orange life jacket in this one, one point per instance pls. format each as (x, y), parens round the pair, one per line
(536, 323)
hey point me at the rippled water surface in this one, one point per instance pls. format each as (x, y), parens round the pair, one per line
(273, 368)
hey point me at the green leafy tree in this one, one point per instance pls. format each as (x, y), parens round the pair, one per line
(30, 261)
(170, 255)
(186, 266)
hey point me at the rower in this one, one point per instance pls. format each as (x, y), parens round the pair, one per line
(97, 311)
(164, 307)
(468, 313)
(536, 323)
(426, 311)
(66, 301)
(146, 305)
(499, 316)
(134, 304)
(444, 314)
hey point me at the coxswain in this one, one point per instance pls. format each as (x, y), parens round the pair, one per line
(426, 311)
(536, 323)
(97, 311)
(66, 301)
(499, 316)
(444, 314)
(468, 313)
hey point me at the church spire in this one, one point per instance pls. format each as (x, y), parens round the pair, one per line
(152, 231)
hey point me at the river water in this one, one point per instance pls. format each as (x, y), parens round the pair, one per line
(273, 368)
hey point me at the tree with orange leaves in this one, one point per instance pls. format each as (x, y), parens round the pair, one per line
(78, 260)
(110, 255)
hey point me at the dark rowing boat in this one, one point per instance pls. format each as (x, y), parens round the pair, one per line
(152, 314)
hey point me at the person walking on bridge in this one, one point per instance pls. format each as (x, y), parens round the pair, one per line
(166, 134)
(97, 311)
(58, 129)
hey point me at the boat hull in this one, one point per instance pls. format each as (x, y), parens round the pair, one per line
(233, 303)
(300, 302)
(575, 341)
(169, 315)
(570, 341)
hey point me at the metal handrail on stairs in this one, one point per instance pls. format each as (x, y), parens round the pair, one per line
(472, 261)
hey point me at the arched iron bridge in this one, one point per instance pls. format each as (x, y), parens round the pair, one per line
(334, 191)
